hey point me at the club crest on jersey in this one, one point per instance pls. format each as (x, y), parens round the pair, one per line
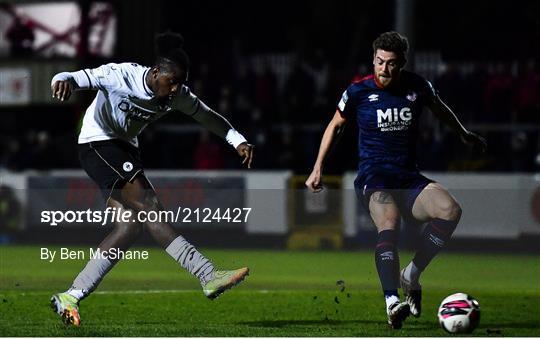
(134, 112)
(394, 119)
(127, 166)
(412, 96)
(373, 97)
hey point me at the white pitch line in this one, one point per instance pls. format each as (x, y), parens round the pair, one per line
(145, 291)
(167, 291)
(245, 291)
(155, 292)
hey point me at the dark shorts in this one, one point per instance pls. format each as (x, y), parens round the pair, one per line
(403, 185)
(110, 164)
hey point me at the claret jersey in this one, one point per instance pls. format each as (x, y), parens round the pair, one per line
(124, 104)
(387, 118)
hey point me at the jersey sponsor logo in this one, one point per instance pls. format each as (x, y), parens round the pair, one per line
(127, 166)
(136, 111)
(373, 97)
(394, 119)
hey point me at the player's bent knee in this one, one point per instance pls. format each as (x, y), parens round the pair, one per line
(156, 228)
(135, 228)
(449, 211)
(132, 228)
(147, 203)
(151, 202)
(389, 223)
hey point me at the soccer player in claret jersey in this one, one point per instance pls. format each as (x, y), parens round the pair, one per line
(387, 107)
(129, 96)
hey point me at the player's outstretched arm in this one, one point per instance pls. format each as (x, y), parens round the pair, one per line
(445, 114)
(63, 84)
(190, 104)
(329, 140)
(220, 126)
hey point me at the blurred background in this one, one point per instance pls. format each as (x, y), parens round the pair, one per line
(276, 70)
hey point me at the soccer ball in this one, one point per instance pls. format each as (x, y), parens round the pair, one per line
(459, 313)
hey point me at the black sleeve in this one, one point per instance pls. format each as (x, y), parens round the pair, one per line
(430, 92)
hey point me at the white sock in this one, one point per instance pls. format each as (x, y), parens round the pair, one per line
(90, 277)
(412, 273)
(192, 260)
(390, 300)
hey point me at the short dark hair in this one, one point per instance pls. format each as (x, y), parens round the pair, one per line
(392, 42)
(169, 51)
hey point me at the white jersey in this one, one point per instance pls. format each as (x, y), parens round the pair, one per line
(124, 104)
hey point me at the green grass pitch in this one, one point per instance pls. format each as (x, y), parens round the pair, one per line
(287, 294)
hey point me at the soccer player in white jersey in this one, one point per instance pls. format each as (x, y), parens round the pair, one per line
(129, 97)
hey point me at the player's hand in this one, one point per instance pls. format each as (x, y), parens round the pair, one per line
(314, 182)
(474, 140)
(246, 150)
(62, 90)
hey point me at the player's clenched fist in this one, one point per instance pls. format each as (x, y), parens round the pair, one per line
(314, 182)
(245, 150)
(62, 89)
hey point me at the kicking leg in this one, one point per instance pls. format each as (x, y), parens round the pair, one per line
(141, 196)
(385, 215)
